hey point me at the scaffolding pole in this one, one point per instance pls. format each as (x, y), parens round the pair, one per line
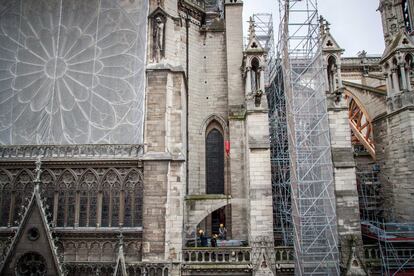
(283, 229)
(280, 161)
(311, 170)
(265, 34)
(395, 240)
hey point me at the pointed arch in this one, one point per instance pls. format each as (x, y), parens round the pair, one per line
(48, 188)
(87, 188)
(133, 189)
(214, 148)
(22, 190)
(5, 196)
(5, 204)
(219, 120)
(66, 185)
(111, 186)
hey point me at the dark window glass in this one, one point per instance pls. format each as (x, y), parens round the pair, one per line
(105, 205)
(5, 204)
(215, 162)
(115, 205)
(83, 208)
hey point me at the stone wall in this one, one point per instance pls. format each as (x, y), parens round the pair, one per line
(347, 204)
(394, 139)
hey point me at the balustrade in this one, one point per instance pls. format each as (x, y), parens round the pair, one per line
(284, 254)
(217, 255)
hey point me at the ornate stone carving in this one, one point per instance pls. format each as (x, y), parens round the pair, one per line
(66, 184)
(71, 151)
(263, 256)
(158, 36)
(31, 264)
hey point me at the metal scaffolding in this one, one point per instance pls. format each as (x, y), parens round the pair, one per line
(395, 240)
(283, 229)
(280, 162)
(265, 34)
(301, 156)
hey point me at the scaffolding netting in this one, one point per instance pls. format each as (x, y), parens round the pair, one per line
(309, 192)
(72, 72)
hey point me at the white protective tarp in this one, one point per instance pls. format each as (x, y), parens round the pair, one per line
(72, 71)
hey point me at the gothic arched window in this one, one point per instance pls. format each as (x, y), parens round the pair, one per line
(133, 199)
(48, 189)
(18, 202)
(214, 162)
(111, 189)
(23, 188)
(67, 200)
(88, 199)
(106, 196)
(5, 204)
(93, 203)
(115, 194)
(70, 202)
(83, 205)
(5, 198)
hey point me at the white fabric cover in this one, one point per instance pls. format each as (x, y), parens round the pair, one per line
(72, 71)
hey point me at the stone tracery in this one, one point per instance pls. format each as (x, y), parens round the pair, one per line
(74, 195)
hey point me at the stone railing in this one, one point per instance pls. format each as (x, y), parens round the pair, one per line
(284, 254)
(199, 255)
(71, 151)
(372, 253)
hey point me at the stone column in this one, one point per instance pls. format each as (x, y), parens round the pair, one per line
(407, 69)
(347, 205)
(403, 76)
(248, 87)
(395, 80)
(77, 208)
(262, 78)
(99, 210)
(387, 76)
(338, 72)
(55, 207)
(259, 177)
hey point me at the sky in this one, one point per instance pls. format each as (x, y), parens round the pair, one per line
(355, 24)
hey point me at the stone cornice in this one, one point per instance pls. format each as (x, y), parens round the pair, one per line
(71, 152)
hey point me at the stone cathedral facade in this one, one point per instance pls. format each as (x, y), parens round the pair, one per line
(128, 126)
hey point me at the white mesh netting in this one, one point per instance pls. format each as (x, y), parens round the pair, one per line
(72, 72)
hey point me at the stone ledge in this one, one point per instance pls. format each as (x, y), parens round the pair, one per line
(343, 158)
(207, 197)
(259, 145)
(162, 156)
(345, 193)
(165, 67)
(87, 151)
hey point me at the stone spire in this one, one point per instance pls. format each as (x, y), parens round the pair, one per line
(35, 226)
(120, 267)
(252, 28)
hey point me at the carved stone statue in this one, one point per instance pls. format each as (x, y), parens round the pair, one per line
(158, 38)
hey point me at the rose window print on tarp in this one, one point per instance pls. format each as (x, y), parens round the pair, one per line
(72, 72)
